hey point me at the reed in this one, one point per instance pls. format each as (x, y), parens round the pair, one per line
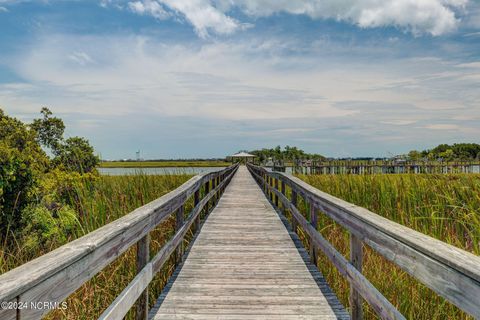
(446, 207)
(97, 203)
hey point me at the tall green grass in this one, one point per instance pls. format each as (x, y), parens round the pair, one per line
(97, 203)
(446, 207)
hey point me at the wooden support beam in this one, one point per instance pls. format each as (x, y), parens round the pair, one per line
(196, 200)
(356, 259)
(313, 222)
(276, 197)
(294, 201)
(178, 226)
(207, 190)
(143, 257)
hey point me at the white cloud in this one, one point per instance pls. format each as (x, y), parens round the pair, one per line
(442, 126)
(418, 16)
(399, 122)
(150, 7)
(434, 17)
(239, 87)
(203, 16)
(80, 58)
(3, 9)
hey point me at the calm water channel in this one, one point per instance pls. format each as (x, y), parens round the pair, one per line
(156, 171)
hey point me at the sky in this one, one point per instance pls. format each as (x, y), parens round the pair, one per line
(207, 78)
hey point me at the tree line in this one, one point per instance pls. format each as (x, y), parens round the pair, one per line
(287, 153)
(446, 152)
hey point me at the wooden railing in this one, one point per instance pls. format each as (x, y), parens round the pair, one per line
(451, 272)
(53, 277)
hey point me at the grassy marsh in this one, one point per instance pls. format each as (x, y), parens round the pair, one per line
(446, 207)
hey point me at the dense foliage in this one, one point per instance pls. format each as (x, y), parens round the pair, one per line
(33, 185)
(92, 204)
(445, 152)
(286, 154)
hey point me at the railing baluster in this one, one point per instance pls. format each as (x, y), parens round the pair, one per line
(271, 191)
(143, 257)
(313, 222)
(207, 190)
(196, 200)
(356, 259)
(215, 184)
(294, 203)
(276, 196)
(178, 225)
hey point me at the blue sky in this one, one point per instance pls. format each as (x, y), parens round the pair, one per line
(206, 78)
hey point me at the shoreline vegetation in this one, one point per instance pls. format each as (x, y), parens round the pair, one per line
(164, 164)
(443, 206)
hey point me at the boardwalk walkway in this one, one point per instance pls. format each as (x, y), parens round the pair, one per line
(245, 264)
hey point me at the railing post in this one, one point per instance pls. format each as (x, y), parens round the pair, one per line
(207, 191)
(265, 180)
(283, 190)
(143, 257)
(271, 192)
(196, 200)
(178, 225)
(214, 185)
(294, 203)
(313, 222)
(356, 259)
(276, 196)
(265, 185)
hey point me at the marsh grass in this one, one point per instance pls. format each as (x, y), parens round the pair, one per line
(97, 203)
(446, 207)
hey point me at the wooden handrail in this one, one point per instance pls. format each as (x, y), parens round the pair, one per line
(449, 271)
(56, 275)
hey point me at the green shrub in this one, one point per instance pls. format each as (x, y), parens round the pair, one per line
(45, 227)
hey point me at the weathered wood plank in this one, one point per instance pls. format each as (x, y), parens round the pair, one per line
(178, 226)
(143, 257)
(244, 250)
(8, 310)
(56, 275)
(451, 272)
(356, 259)
(122, 304)
(378, 302)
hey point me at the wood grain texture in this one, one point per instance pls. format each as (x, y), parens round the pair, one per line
(143, 257)
(376, 300)
(356, 259)
(54, 276)
(451, 272)
(244, 264)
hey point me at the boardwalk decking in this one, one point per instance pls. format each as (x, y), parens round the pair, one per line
(245, 264)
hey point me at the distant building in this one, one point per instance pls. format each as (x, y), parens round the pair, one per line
(242, 157)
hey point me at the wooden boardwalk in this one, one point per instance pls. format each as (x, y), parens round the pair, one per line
(245, 264)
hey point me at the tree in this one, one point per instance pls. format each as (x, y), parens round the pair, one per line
(447, 155)
(76, 154)
(414, 155)
(22, 162)
(73, 154)
(49, 130)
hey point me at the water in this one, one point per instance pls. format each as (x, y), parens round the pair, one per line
(157, 171)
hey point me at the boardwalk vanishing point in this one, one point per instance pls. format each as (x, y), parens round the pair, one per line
(244, 264)
(246, 260)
